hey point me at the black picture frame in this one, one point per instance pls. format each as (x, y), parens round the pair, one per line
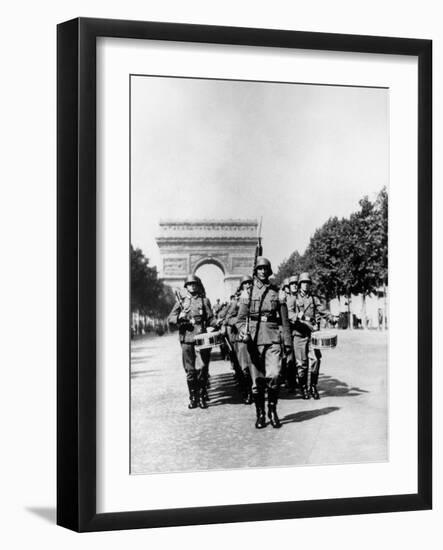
(76, 266)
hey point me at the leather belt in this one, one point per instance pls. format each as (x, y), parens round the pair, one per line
(264, 318)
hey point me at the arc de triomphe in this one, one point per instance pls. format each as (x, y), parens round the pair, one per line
(186, 245)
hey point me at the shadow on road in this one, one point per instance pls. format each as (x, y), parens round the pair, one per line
(224, 390)
(144, 373)
(141, 359)
(302, 416)
(332, 387)
(328, 387)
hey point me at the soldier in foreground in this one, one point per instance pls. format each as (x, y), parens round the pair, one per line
(305, 311)
(264, 313)
(192, 314)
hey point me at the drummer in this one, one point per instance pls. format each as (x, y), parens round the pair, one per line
(305, 311)
(192, 314)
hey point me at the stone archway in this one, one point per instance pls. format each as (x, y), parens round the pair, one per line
(213, 278)
(186, 245)
(209, 259)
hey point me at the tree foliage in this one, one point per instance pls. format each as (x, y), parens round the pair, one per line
(349, 255)
(149, 296)
(294, 264)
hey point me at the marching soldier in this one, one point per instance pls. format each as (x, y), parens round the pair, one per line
(224, 308)
(264, 313)
(305, 311)
(217, 307)
(289, 369)
(240, 346)
(193, 314)
(230, 334)
(285, 287)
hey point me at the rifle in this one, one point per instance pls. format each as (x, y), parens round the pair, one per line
(181, 301)
(258, 252)
(179, 298)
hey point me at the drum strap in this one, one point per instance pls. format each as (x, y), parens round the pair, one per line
(298, 308)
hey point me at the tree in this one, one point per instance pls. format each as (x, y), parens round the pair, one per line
(369, 247)
(381, 235)
(347, 256)
(149, 295)
(327, 258)
(381, 238)
(290, 266)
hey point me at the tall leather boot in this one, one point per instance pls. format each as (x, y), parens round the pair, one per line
(313, 389)
(203, 384)
(272, 408)
(247, 389)
(304, 384)
(193, 401)
(202, 395)
(259, 400)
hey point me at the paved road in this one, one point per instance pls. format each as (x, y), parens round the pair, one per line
(348, 423)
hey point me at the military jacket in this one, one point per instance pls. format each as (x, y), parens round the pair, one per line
(217, 309)
(231, 313)
(222, 313)
(267, 314)
(198, 316)
(231, 318)
(305, 312)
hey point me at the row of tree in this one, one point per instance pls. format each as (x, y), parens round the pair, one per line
(347, 256)
(149, 296)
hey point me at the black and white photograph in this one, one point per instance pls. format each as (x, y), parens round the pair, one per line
(259, 299)
(221, 281)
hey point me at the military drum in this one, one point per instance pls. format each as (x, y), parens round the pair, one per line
(208, 340)
(324, 339)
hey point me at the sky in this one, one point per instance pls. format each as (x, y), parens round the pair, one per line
(294, 154)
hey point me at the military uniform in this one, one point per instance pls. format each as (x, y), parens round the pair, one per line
(218, 306)
(289, 369)
(266, 313)
(305, 311)
(193, 314)
(240, 347)
(230, 335)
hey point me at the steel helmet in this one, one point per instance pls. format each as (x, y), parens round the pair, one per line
(246, 279)
(192, 279)
(285, 282)
(293, 279)
(304, 278)
(263, 262)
